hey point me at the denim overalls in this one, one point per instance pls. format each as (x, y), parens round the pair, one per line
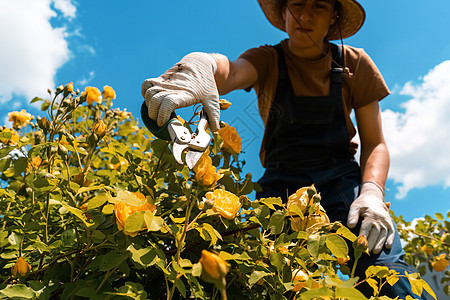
(307, 142)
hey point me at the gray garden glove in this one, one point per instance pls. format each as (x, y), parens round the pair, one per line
(188, 82)
(377, 224)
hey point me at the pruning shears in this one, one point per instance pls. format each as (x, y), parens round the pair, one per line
(173, 130)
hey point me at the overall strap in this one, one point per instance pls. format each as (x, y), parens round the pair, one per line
(337, 77)
(282, 68)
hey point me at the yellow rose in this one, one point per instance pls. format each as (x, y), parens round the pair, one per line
(207, 176)
(123, 210)
(19, 119)
(99, 129)
(299, 198)
(440, 264)
(108, 92)
(231, 139)
(225, 203)
(93, 95)
(21, 267)
(203, 161)
(213, 266)
(224, 104)
(205, 172)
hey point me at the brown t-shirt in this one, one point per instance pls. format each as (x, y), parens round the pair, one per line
(312, 78)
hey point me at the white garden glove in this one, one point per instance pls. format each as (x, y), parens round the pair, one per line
(377, 224)
(188, 82)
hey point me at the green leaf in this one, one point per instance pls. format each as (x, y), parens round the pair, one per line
(277, 259)
(349, 294)
(247, 185)
(87, 292)
(153, 223)
(217, 143)
(316, 293)
(90, 188)
(99, 200)
(77, 212)
(276, 222)
(20, 164)
(180, 287)
(186, 173)
(128, 197)
(108, 209)
(4, 164)
(145, 257)
(20, 291)
(379, 271)
(256, 276)
(112, 260)
(197, 270)
(439, 216)
(313, 245)
(236, 256)
(36, 99)
(345, 232)
(270, 202)
(6, 150)
(213, 233)
(135, 222)
(337, 245)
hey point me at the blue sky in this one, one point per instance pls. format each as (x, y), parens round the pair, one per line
(46, 43)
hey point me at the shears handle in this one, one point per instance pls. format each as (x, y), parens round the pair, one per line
(168, 132)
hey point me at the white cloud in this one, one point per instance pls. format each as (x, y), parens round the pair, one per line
(418, 138)
(32, 50)
(66, 7)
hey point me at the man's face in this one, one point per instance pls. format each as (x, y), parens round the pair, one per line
(308, 21)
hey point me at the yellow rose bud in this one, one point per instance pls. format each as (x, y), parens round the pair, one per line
(21, 267)
(231, 139)
(361, 243)
(440, 264)
(93, 95)
(99, 129)
(36, 162)
(343, 261)
(69, 87)
(19, 119)
(108, 92)
(123, 210)
(225, 203)
(301, 278)
(214, 268)
(224, 104)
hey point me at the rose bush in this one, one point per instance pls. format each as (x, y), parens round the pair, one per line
(92, 206)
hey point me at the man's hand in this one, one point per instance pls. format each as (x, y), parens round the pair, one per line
(377, 224)
(188, 82)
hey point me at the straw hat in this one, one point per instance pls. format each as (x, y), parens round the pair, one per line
(351, 17)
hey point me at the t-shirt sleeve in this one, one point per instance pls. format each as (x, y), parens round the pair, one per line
(262, 59)
(368, 84)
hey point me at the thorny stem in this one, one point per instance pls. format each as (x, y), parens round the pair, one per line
(107, 275)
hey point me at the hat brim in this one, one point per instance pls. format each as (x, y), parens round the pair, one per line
(351, 18)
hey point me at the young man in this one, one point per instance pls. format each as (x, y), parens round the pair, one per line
(306, 89)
